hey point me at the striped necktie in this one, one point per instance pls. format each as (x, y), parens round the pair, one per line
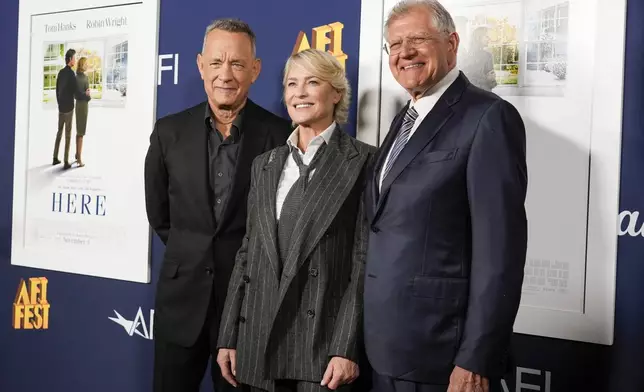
(401, 139)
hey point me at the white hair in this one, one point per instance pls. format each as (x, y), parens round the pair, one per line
(443, 21)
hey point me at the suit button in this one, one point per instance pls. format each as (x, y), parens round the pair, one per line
(375, 229)
(313, 272)
(246, 279)
(209, 270)
(242, 319)
(310, 313)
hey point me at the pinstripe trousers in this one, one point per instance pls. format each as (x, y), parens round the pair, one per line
(299, 386)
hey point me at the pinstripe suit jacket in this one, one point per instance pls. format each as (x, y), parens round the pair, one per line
(288, 327)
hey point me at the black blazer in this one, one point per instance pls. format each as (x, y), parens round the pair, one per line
(65, 89)
(448, 241)
(179, 207)
(289, 326)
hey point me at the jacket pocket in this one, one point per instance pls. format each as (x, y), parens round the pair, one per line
(436, 156)
(169, 269)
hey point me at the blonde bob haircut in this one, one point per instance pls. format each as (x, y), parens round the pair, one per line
(327, 68)
(82, 64)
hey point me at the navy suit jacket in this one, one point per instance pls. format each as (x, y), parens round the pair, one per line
(448, 241)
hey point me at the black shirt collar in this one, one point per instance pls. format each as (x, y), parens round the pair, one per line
(235, 130)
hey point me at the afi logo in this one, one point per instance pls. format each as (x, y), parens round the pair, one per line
(138, 325)
(538, 381)
(320, 40)
(628, 224)
(31, 308)
(174, 68)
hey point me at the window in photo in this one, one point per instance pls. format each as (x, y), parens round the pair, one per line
(515, 47)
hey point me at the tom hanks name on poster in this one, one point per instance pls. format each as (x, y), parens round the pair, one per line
(60, 27)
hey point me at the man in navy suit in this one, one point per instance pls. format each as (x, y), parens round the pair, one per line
(445, 203)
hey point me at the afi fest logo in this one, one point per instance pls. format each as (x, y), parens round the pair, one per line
(322, 36)
(137, 326)
(629, 224)
(31, 308)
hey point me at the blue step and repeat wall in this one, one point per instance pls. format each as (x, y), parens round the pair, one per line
(96, 334)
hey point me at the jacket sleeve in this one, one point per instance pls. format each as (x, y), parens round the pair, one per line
(81, 85)
(347, 325)
(156, 187)
(496, 186)
(60, 85)
(229, 326)
(71, 84)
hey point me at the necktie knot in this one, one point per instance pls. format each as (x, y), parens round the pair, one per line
(304, 170)
(297, 157)
(411, 114)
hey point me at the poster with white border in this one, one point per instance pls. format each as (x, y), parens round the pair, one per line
(85, 106)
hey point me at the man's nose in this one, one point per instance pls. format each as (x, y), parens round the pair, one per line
(226, 73)
(407, 50)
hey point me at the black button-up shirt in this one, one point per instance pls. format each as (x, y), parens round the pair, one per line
(222, 155)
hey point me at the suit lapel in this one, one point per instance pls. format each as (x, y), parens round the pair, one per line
(330, 185)
(195, 157)
(426, 132)
(252, 145)
(267, 188)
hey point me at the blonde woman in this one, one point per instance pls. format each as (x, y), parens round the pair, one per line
(82, 99)
(294, 304)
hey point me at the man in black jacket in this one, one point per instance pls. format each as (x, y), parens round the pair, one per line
(65, 90)
(197, 177)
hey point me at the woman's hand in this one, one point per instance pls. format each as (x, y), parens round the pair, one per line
(227, 361)
(340, 371)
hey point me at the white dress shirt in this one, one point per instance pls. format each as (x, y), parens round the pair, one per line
(291, 172)
(423, 106)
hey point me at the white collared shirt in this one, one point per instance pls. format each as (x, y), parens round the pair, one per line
(423, 106)
(291, 172)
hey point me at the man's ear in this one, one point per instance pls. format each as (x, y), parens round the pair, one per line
(257, 68)
(200, 64)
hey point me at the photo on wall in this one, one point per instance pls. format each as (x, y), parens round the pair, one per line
(82, 143)
(104, 68)
(515, 47)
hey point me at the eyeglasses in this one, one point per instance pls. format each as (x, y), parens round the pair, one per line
(413, 41)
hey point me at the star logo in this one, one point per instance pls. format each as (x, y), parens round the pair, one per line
(138, 325)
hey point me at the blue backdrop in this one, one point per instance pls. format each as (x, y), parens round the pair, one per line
(84, 350)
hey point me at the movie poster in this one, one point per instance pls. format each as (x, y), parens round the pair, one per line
(88, 121)
(526, 51)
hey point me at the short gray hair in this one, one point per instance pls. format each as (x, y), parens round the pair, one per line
(231, 25)
(443, 21)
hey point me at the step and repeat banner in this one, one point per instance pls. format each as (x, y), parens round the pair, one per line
(78, 266)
